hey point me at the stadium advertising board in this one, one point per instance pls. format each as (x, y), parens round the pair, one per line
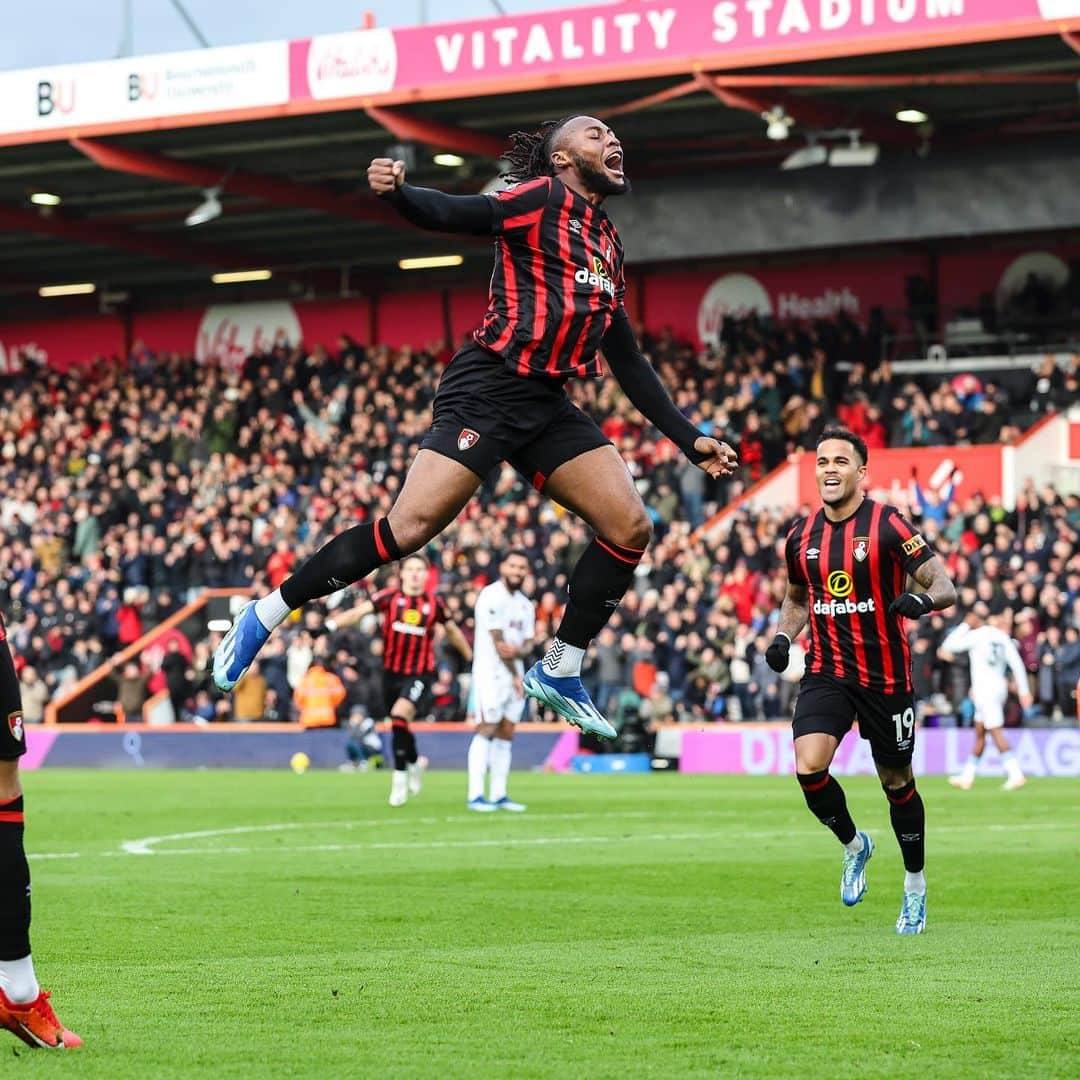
(761, 750)
(520, 52)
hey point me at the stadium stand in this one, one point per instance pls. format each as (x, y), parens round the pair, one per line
(132, 487)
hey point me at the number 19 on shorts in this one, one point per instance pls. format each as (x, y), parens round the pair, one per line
(905, 726)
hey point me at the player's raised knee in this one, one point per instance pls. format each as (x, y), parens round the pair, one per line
(635, 531)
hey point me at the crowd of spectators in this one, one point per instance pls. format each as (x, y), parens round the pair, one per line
(127, 488)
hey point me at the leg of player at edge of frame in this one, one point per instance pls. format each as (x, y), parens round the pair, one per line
(436, 490)
(825, 798)
(596, 486)
(24, 1007)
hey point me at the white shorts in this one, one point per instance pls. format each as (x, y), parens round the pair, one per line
(989, 710)
(496, 700)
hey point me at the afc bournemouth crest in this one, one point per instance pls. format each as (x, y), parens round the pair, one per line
(860, 548)
(15, 722)
(467, 439)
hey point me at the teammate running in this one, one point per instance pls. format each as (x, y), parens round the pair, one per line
(556, 299)
(991, 654)
(847, 573)
(25, 1009)
(410, 615)
(505, 629)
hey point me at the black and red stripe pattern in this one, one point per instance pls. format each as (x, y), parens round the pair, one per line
(409, 630)
(558, 281)
(853, 570)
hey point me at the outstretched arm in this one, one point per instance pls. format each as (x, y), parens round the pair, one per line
(428, 208)
(350, 617)
(643, 387)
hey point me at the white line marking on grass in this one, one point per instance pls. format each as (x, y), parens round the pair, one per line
(142, 847)
(146, 844)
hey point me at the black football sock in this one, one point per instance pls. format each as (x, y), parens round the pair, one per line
(825, 797)
(400, 740)
(909, 823)
(598, 582)
(350, 556)
(411, 753)
(14, 884)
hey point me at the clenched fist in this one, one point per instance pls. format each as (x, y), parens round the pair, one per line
(384, 175)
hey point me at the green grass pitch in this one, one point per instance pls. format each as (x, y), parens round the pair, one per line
(654, 926)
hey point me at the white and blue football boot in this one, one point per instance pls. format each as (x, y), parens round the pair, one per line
(912, 919)
(853, 876)
(238, 648)
(506, 803)
(566, 695)
(480, 805)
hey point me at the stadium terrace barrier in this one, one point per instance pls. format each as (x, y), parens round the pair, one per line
(766, 750)
(82, 702)
(265, 746)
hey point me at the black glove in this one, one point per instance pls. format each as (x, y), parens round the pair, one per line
(912, 605)
(776, 655)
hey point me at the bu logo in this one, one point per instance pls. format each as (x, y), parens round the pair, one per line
(467, 439)
(15, 722)
(860, 547)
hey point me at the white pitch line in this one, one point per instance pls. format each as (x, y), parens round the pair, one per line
(132, 847)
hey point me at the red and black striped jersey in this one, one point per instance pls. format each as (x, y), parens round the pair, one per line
(409, 630)
(557, 283)
(853, 570)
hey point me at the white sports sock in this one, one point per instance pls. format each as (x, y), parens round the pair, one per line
(500, 768)
(18, 981)
(1012, 766)
(856, 845)
(479, 756)
(562, 659)
(271, 610)
(915, 882)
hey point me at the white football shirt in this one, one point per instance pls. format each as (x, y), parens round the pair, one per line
(497, 608)
(991, 653)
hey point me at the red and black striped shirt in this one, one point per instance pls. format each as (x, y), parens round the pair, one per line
(853, 570)
(558, 281)
(409, 630)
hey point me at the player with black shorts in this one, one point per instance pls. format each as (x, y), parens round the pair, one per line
(24, 1007)
(410, 614)
(556, 300)
(848, 568)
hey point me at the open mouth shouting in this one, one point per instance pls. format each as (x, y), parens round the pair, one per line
(614, 163)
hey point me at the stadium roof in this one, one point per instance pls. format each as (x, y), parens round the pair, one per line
(293, 181)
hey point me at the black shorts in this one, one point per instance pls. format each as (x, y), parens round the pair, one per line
(886, 721)
(12, 732)
(484, 414)
(413, 688)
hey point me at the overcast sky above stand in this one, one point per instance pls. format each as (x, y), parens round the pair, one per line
(73, 31)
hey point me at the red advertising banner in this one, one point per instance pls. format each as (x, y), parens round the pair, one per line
(489, 56)
(965, 276)
(892, 474)
(61, 343)
(695, 303)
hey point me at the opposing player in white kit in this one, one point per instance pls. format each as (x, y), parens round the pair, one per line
(505, 629)
(992, 654)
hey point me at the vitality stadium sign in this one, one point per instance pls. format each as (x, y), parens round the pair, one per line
(492, 56)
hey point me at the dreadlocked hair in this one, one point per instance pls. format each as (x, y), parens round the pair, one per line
(529, 155)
